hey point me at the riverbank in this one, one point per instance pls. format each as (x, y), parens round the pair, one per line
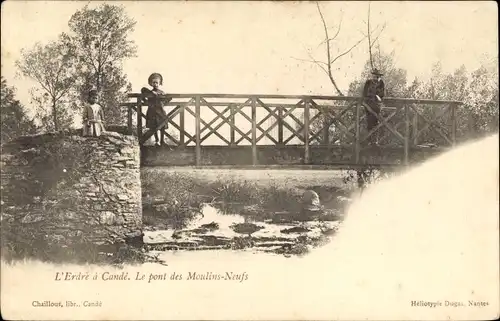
(263, 177)
(239, 209)
(177, 196)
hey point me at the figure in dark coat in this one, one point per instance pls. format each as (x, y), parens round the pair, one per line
(373, 93)
(155, 114)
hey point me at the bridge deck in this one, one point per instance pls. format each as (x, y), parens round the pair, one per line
(327, 157)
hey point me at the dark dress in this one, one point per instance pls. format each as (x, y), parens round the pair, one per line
(371, 89)
(155, 114)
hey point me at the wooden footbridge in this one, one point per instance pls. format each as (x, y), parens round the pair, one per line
(286, 131)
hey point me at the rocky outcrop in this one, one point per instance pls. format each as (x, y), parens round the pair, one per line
(62, 189)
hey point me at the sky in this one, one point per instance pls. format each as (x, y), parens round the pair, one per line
(255, 47)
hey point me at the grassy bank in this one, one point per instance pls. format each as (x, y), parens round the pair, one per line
(172, 197)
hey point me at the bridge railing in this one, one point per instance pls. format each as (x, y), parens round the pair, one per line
(305, 121)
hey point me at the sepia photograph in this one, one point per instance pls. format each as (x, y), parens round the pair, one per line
(249, 160)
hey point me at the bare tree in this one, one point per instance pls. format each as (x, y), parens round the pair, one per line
(327, 65)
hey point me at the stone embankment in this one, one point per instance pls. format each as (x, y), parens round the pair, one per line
(60, 189)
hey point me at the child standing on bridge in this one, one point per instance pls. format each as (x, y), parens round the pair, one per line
(155, 114)
(92, 116)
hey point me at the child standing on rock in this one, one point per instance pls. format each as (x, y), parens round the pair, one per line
(93, 116)
(155, 114)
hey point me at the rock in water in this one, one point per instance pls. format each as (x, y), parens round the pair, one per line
(246, 228)
(310, 201)
(210, 226)
(311, 206)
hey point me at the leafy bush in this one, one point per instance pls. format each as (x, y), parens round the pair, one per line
(170, 197)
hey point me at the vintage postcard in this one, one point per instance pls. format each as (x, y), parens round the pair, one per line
(260, 160)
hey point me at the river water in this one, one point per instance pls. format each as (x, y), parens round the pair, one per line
(271, 235)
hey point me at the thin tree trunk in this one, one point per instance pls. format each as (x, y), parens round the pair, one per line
(369, 38)
(98, 80)
(54, 114)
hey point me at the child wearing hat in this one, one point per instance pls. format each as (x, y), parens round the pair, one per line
(93, 116)
(155, 114)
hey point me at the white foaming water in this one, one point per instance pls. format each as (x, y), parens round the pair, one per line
(430, 234)
(211, 214)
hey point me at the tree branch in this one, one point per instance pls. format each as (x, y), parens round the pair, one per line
(371, 42)
(320, 64)
(64, 92)
(25, 70)
(312, 60)
(328, 51)
(369, 37)
(379, 54)
(62, 66)
(336, 34)
(378, 36)
(348, 51)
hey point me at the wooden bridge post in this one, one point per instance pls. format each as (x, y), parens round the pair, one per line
(280, 125)
(326, 127)
(139, 118)
(415, 129)
(198, 130)
(454, 124)
(182, 125)
(407, 135)
(129, 120)
(231, 119)
(356, 143)
(306, 131)
(254, 131)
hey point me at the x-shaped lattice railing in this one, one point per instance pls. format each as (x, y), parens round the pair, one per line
(295, 133)
(433, 123)
(383, 121)
(258, 125)
(332, 119)
(331, 115)
(209, 124)
(225, 120)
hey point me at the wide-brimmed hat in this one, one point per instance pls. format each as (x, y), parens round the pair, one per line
(153, 76)
(93, 92)
(377, 72)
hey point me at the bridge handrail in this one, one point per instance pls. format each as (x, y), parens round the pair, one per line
(409, 123)
(313, 97)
